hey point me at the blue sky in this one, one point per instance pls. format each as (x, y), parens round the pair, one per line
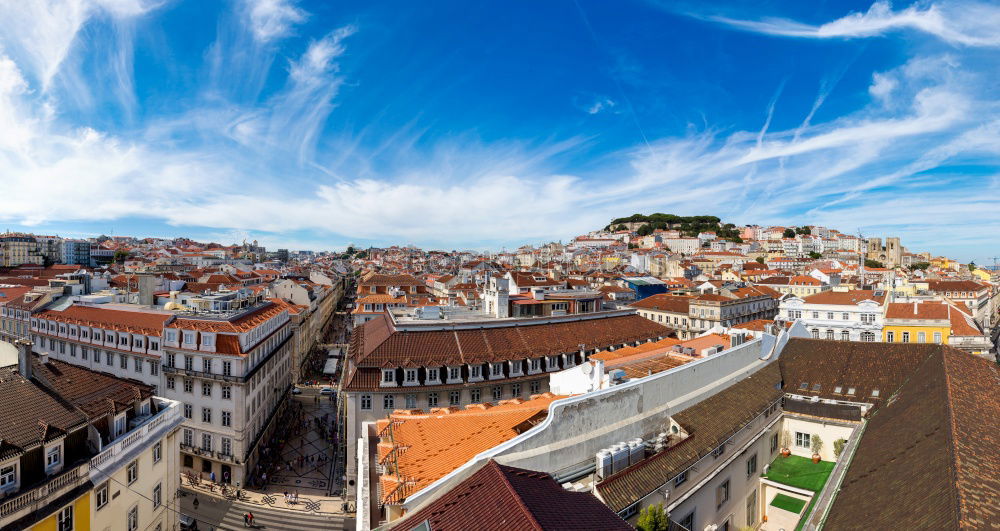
(481, 125)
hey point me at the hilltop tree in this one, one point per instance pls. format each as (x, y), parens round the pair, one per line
(803, 230)
(874, 263)
(789, 233)
(645, 230)
(972, 266)
(760, 259)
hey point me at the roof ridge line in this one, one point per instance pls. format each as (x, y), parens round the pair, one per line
(517, 496)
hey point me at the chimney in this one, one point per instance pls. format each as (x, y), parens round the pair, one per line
(915, 303)
(24, 357)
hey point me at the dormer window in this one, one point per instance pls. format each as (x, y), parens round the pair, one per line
(8, 477)
(432, 375)
(454, 373)
(388, 376)
(536, 364)
(410, 375)
(53, 457)
(188, 338)
(496, 369)
(172, 336)
(475, 371)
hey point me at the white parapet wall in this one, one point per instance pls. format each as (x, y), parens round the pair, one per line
(578, 427)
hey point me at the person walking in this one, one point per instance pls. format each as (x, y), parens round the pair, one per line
(246, 519)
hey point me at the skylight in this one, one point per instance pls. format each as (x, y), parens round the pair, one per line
(804, 386)
(874, 392)
(838, 389)
(850, 390)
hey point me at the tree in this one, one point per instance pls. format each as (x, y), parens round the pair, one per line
(789, 233)
(645, 230)
(920, 265)
(838, 447)
(814, 255)
(972, 266)
(653, 518)
(874, 263)
(120, 256)
(621, 227)
(817, 444)
(760, 259)
(803, 230)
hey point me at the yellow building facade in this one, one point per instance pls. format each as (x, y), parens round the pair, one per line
(78, 512)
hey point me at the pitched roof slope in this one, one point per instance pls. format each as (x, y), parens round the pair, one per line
(708, 423)
(499, 497)
(427, 446)
(30, 415)
(928, 458)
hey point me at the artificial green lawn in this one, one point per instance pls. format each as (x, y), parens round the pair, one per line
(800, 472)
(788, 503)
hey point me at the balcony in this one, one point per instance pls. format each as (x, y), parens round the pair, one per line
(139, 438)
(36, 498)
(202, 374)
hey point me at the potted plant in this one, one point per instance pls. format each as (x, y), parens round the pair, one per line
(786, 443)
(817, 445)
(838, 447)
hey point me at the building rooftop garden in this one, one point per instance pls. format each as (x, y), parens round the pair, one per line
(788, 503)
(799, 472)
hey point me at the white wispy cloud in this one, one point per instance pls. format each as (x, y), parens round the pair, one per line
(272, 19)
(600, 104)
(959, 23)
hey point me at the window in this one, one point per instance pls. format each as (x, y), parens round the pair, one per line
(188, 411)
(454, 398)
(688, 521)
(937, 337)
(411, 375)
(534, 386)
(101, 496)
(366, 401)
(157, 452)
(188, 363)
(875, 393)
(110, 359)
(171, 360)
(846, 316)
(681, 478)
(801, 439)
(8, 476)
(137, 363)
(475, 371)
(388, 375)
(411, 401)
(206, 415)
(850, 390)
(719, 450)
(868, 337)
(475, 396)
(774, 442)
(722, 494)
(206, 389)
(497, 369)
(829, 315)
(97, 356)
(53, 457)
(64, 520)
(388, 401)
(227, 392)
(906, 337)
(156, 495)
(188, 437)
(123, 361)
(837, 389)
(132, 472)
(432, 374)
(83, 353)
(227, 446)
(432, 399)
(154, 368)
(535, 364)
(132, 519)
(890, 337)
(815, 315)
(206, 442)
(752, 508)
(497, 393)
(515, 390)
(921, 337)
(829, 334)
(751, 465)
(227, 368)
(227, 419)
(815, 333)
(188, 386)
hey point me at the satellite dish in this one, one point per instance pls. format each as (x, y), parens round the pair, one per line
(587, 368)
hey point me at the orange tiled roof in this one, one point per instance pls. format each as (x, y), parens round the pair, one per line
(427, 446)
(146, 323)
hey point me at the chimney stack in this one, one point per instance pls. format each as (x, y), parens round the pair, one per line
(24, 357)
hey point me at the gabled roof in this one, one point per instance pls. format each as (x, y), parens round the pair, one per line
(31, 415)
(664, 303)
(928, 458)
(845, 298)
(502, 498)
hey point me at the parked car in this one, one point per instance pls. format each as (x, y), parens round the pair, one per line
(296, 391)
(326, 391)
